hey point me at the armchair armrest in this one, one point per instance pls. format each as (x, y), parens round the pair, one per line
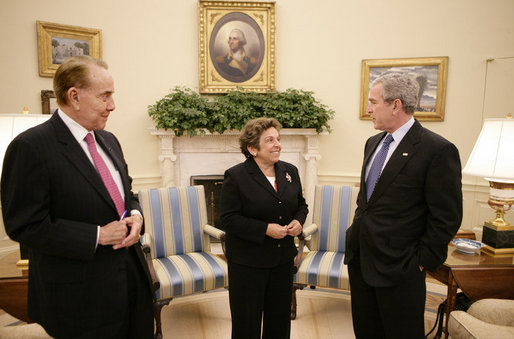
(494, 311)
(463, 325)
(308, 231)
(216, 233)
(146, 239)
(148, 258)
(213, 231)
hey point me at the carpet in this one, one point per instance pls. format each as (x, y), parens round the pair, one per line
(322, 313)
(11, 327)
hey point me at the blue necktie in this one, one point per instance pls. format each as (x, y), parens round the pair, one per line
(376, 166)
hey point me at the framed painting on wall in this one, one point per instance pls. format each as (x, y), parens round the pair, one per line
(430, 73)
(48, 101)
(237, 46)
(56, 42)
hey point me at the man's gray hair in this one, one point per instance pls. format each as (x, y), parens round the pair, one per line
(399, 86)
(240, 35)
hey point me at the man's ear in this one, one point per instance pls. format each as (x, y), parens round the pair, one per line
(74, 97)
(397, 104)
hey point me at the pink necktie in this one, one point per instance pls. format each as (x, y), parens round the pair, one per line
(105, 174)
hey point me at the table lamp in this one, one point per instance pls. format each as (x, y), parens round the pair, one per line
(12, 124)
(492, 158)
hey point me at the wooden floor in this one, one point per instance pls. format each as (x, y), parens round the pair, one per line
(322, 313)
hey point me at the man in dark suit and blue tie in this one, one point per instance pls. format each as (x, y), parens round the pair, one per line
(408, 209)
(65, 194)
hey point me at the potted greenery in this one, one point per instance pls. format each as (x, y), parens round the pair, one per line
(185, 111)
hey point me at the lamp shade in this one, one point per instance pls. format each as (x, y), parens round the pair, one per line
(13, 124)
(493, 155)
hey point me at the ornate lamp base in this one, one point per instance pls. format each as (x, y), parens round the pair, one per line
(499, 240)
(498, 234)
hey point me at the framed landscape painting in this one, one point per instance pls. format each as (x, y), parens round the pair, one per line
(57, 42)
(430, 73)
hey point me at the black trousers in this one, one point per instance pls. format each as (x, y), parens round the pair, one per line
(139, 320)
(387, 312)
(260, 295)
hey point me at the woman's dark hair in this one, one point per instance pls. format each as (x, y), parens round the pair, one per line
(252, 131)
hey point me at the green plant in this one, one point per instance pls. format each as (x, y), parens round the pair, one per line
(185, 111)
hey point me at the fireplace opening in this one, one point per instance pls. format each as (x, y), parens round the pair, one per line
(212, 186)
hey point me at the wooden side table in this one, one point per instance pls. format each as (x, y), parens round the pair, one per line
(479, 276)
(466, 234)
(13, 287)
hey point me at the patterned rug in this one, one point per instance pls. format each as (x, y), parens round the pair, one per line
(322, 313)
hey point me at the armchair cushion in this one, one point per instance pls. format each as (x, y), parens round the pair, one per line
(323, 269)
(189, 273)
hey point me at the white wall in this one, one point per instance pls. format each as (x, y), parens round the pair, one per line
(152, 46)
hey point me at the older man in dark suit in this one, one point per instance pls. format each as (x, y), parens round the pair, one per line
(409, 207)
(65, 192)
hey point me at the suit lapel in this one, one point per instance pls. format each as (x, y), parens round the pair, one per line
(402, 154)
(282, 177)
(372, 147)
(256, 174)
(71, 150)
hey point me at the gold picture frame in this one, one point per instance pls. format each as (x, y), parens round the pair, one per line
(431, 73)
(56, 42)
(48, 101)
(254, 25)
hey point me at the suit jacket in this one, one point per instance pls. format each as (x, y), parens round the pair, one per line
(414, 211)
(52, 200)
(249, 203)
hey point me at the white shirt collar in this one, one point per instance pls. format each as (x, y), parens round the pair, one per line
(402, 131)
(75, 128)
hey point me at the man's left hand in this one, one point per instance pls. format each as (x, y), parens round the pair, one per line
(134, 222)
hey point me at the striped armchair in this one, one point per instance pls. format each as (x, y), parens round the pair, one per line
(323, 266)
(176, 243)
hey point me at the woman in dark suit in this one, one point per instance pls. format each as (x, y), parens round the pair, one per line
(262, 210)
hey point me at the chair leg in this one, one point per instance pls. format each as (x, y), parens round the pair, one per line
(157, 307)
(293, 299)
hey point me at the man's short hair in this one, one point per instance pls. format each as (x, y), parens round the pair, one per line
(399, 86)
(73, 72)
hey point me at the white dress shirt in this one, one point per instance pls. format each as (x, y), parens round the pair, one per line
(397, 138)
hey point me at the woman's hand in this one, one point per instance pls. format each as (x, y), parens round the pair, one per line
(276, 231)
(294, 228)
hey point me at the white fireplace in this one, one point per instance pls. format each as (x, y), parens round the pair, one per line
(211, 154)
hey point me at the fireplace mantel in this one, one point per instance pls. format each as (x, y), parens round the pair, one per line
(213, 153)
